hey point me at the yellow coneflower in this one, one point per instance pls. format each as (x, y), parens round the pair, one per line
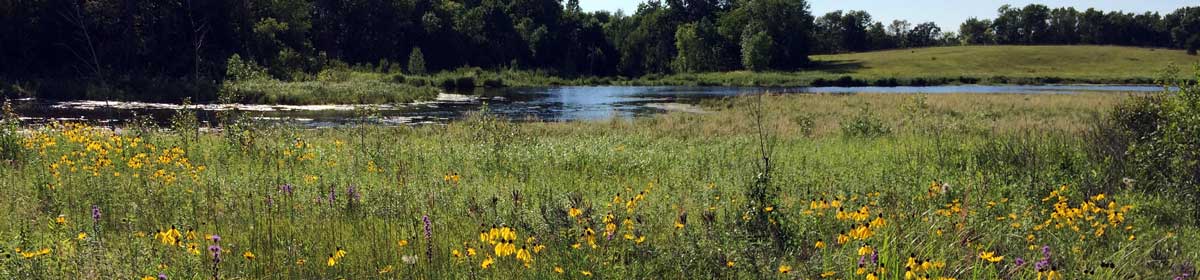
(990, 257)
(300, 262)
(785, 269)
(248, 255)
(585, 273)
(402, 243)
(81, 236)
(487, 262)
(828, 274)
(574, 212)
(730, 263)
(842, 238)
(871, 276)
(332, 261)
(820, 244)
(61, 219)
(558, 269)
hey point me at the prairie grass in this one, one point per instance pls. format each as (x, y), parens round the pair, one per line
(965, 185)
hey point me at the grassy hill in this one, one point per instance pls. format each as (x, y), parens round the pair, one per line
(964, 64)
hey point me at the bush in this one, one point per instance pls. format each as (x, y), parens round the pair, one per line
(10, 139)
(1155, 141)
(865, 125)
(416, 62)
(237, 69)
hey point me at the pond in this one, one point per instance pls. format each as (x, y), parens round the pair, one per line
(533, 103)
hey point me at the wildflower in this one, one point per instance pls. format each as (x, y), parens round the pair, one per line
(558, 269)
(248, 255)
(162, 276)
(300, 262)
(331, 261)
(785, 269)
(402, 243)
(842, 238)
(828, 274)
(729, 263)
(871, 276)
(385, 270)
(61, 219)
(95, 213)
(487, 262)
(768, 209)
(990, 257)
(81, 236)
(574, 212)
(820, 244)
(286, 189)
(585, 273)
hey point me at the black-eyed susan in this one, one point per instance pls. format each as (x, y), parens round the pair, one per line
(990, 257)
(585, 273)
(785, 269)
(487, 262)
(248, 255)
(820, 244)
(558, 269)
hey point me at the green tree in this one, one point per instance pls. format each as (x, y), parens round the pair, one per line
(416, 62)
(757, 50)
(975, 31)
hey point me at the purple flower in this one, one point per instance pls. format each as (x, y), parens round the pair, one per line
(1046, 252)
(216, 238)
(862, 261)
(332, 196)
(1041, 265)
(162, 276)
(1019, 261)
(96, 213)
(874, 256)
(215, 249)
(352, 193)
(428, 227)
(286, 189)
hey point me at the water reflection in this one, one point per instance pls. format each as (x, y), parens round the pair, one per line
(537, 103)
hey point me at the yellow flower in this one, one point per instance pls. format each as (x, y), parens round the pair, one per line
(61, 220)
(574, 212)
(768, 209)
(301, 262)
(729, 263)
(81, 236)
(990, 257)
(785, 269)
(487, 262)
(871, 276)
(331, 261)
(148, 278)
(385, 270)
(828, 274)
(586, 273)
(820, 244)
(248, 255)
(558, 269)
(402, 243)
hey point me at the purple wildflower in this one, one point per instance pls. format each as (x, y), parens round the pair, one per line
(1046, 252)
(216, 238)
(162, 276)
(352, 193)
(1019, 262)
(874, 256)
(286, 189)
(862, 261)
(332, 196)
(96, 213)
(1041, 265)
(428, 236)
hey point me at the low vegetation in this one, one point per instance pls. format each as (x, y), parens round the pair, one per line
(796, 186)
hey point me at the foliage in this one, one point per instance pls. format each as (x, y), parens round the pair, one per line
(416, 62)
(10, 138)
(1155, 140)
(757, 48)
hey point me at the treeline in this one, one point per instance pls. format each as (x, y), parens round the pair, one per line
(139, 45)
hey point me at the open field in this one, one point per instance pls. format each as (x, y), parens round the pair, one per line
(859, 187)
(964, 64)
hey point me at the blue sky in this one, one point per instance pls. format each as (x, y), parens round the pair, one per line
(947, 13)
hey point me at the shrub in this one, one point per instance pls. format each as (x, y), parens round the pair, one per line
(1155, 141)
(237, 69)
(416, 62)
(10, 139)
(865, 125)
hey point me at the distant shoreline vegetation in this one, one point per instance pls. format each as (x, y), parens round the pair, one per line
(181, 49)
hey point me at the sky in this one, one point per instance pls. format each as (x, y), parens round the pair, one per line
(948, 14)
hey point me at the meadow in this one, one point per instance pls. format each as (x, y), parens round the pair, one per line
(863, 186)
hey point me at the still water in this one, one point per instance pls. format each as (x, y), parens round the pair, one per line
(534, 103)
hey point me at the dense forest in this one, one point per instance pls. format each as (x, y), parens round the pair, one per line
(127, 44)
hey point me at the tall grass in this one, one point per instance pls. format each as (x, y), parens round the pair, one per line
(947, 185)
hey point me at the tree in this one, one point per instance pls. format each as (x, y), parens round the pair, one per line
(698, 48)
(416, 62)
(924, 35)
(1034, 26)
(1007, 25)
(757, 49)
(787, 23)
(1064, 26)
(975, 31)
